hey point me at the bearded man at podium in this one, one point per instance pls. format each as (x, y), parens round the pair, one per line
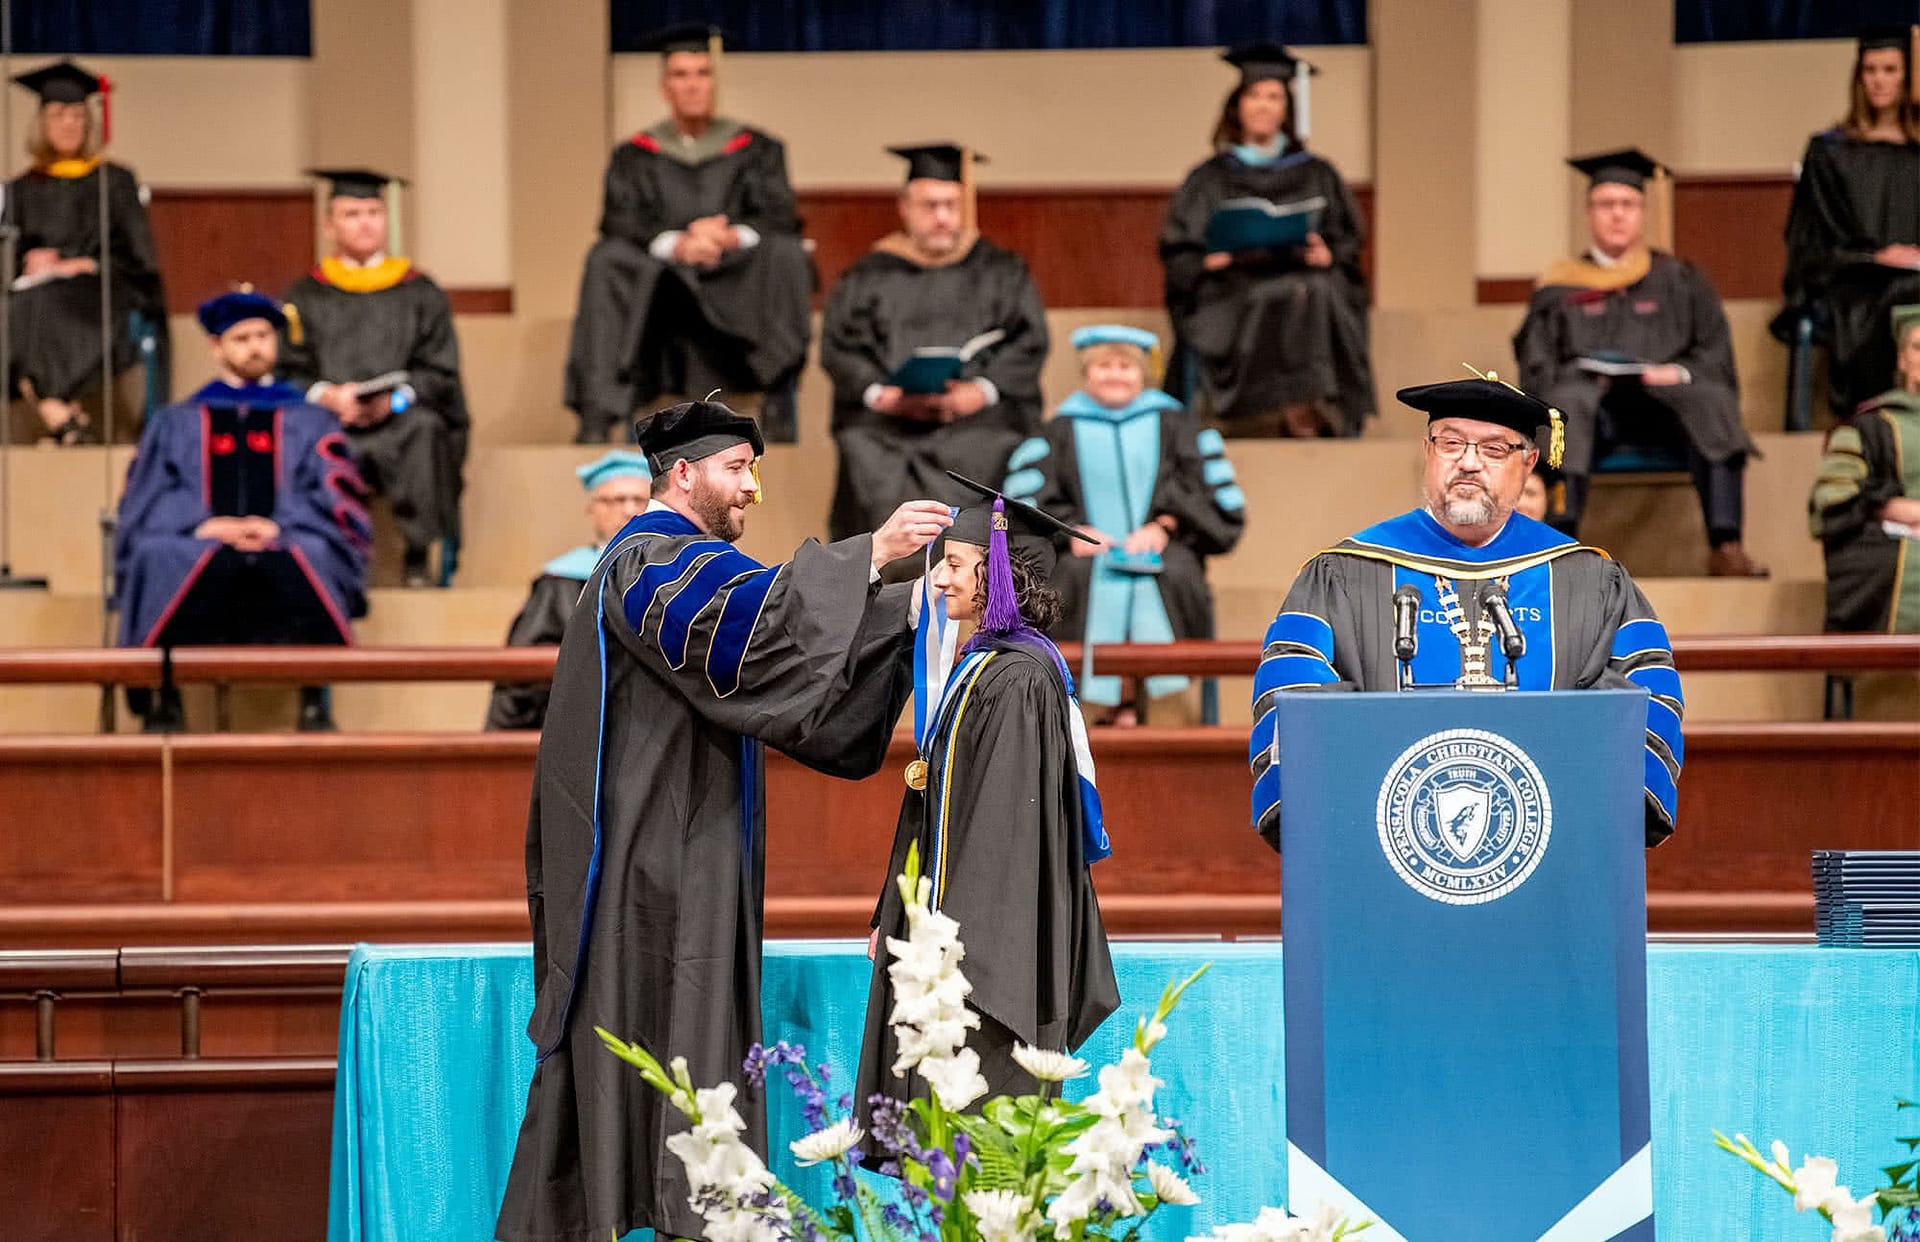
(1465, 592)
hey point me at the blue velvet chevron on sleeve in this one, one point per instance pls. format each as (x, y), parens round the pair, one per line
(1297, 654)
(1644, 655)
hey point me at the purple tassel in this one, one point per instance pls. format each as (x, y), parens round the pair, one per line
(1003, 602)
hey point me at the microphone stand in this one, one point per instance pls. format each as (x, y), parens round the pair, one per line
(9, 248)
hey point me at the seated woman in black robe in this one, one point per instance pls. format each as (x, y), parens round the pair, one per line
(1853, 236)
(1274, 336)
(1002, 806)
(55, 320)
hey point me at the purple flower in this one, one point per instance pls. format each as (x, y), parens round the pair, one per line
(755, 1067)
(888, 1126)
(895, 1218)
(916, 1196)
(941, 1167)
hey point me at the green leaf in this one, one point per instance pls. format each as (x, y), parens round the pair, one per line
(1895, 1172)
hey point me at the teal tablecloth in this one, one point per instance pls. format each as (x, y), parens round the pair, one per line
(1808, 1045)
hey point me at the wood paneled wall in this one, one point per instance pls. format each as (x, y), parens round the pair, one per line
(1088, 246)
(403, 819)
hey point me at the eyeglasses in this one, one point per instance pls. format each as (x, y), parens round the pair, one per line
(1493, 452)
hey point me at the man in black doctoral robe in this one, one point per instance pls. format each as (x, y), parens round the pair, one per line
(699, 280)
(1585, 623)
(242, 520)
(934, 286)
(646, 837)
(1275, 338)
(1865, 507)
(1853, 233)
(1631, 344)
(370, 337)
(55, 320)
(616, 490)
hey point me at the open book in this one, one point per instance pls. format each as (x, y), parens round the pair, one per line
(1256, 224)
(931, 368)
(1607, 362)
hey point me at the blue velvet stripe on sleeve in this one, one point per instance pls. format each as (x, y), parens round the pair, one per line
(739, 616)
(709, 577)
(1298, 652)
(1644, 655)
(656, 575)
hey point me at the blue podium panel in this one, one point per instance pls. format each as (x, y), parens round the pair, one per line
(1464, 909)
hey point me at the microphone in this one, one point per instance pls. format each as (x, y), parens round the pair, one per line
(1406, 617)
(1513, 644)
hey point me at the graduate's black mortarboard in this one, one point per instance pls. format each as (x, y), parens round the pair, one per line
(693, 430)
(1257, 61)
(1023, 527)
(1630, 167)
(683, 37)
(61, 82)
(938, 161)
(353, 182)
(1487, 399)
(1876, 38)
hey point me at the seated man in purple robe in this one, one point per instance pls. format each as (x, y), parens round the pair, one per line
(243, 518)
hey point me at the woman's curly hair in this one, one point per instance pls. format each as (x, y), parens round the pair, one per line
(1039, 602)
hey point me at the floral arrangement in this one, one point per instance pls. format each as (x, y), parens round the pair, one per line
(1018, 1167)
(1815, 1185)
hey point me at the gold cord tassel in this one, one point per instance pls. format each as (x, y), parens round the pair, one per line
(1556, 438)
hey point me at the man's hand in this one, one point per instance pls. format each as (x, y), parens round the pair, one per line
(1081, 547)
(257, 534)
(76, 267)
(1149, 538)
(963, 399)
(912, 527)
(1902, 509)
(39, 261)
(1663, 376)
(1218, 261)
(886, 400)
(696, 250)
(1316, 253)
(1900, 254)
(375, 410)
(227, 530)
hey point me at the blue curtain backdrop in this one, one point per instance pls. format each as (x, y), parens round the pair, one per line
(978, 25)
(163, 28)
(1727, 21)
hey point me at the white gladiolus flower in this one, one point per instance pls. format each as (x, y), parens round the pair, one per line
(829, 1144)
(1001, 1215)
(956, 1080)
(1169, 1187)
(1813, 1181)
(1048, 1066)
(1853, 1222)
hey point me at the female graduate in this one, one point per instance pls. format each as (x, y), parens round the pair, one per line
(1853, 236)
(55, 321)
(1154, 492)
(1275, 338)
(1002, 806)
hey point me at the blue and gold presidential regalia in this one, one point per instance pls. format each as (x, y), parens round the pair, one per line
(1586, 626)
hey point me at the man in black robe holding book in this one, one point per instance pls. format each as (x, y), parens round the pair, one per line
(1631, 345)
(935, 288)
(699, 280)
(370, 337)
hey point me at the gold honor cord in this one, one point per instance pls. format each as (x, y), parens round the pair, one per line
(1557, 428)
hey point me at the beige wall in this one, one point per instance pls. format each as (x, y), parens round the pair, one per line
(1118, 117)
(1749, 107)
(459, 229)
(1525, 61)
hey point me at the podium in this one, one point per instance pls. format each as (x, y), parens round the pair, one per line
(1464, 911)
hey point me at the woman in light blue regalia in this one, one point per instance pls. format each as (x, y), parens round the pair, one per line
(1128, 466)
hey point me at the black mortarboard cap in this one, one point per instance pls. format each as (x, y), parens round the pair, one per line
(223, 311)
(1483, 400)
(936, 161)
(1630, 167)
(1030, 530)
(681, 37)
(61, 82)
(1875, 38)
(1256, 61)
(693, 430)
(353, 182)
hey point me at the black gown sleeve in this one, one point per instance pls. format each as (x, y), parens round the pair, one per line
(768, 204)
(850, 350)
(1340, 225)
(1013, 365)
(629, 207)
(134, 258)
(299, 364)
(433, 365)
(542, 621)
(1539, 345)
(1858, 475)
(1044, 471)
(1824, 232)
(1708, 356)
(1197, 489)
(1183, 248)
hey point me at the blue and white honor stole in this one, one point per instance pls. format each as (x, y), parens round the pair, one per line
(934, 636)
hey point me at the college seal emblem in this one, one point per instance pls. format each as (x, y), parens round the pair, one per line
(1464, 816)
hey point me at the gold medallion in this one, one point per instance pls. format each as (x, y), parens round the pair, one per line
(917, 774)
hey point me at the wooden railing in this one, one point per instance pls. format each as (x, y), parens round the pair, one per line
(1707, 653)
